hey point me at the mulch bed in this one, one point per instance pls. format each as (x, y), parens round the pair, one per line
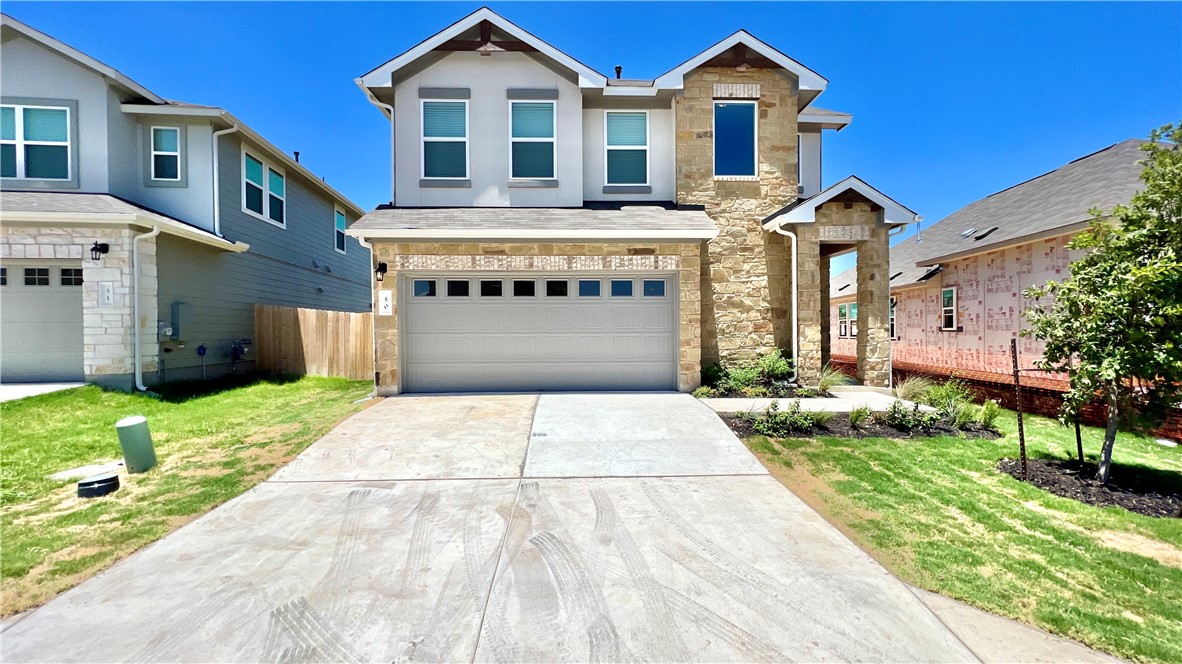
(1141, 490)
(840, 427)
(774, 393)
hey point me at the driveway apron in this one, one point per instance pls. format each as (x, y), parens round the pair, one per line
(501, 528)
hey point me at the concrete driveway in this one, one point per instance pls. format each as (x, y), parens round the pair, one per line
(501, 528)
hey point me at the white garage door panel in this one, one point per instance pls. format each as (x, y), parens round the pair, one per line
(538, 342)
(40, 325)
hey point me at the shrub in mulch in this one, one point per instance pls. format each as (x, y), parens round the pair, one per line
(1137, 489)
(839, 427)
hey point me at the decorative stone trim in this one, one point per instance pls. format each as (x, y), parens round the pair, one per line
(736, 91)
(538, 263)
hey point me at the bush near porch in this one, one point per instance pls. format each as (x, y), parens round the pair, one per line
(211, 446)
(938, 513)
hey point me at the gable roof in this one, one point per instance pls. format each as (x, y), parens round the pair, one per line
(111, 74)
(903, 271)
(1051, 204)
(804, 211)
(810, 81)
(380, 76)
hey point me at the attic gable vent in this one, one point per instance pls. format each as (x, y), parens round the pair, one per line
(985, 234)
(967, 233)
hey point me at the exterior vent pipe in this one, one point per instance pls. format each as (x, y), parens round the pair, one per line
(619, 71)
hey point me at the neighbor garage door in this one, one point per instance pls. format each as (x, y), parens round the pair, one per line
(40, 321)
(528, 332)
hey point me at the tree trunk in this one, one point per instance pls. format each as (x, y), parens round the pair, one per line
(1113, 398)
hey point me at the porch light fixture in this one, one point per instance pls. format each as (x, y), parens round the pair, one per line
(380, 272)
(97, 251)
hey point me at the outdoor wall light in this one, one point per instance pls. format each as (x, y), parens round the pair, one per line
(97, 251)
(380, 272)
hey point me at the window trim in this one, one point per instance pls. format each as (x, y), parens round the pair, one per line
(336, 210)
(37, 277)
(946, 311)
(19, 142)
(153, 152)
(552, 140)
(647, 148)
(266, 186)
(892, 329)
(843, 320)
(754, 103)
(423, 139)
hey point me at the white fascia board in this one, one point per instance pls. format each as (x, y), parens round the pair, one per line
(380, 77)
(183, 111)
(485, 235)
(806, 212)
(101, 219)
(835, 122)
(809, 79)
(620, 91)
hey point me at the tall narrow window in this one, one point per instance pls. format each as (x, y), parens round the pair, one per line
(339, 230)
(626, 142)
(533, 139)
(892, 320)
(445, 139)
(854, 319)
(35, 142)
(166, 153)
(948, 309)
(734, 138)
(264, 189)
(843, 321)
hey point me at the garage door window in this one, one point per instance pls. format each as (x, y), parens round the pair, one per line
(523, 289)
(589, 288)
(654, 288)
(457, 288)
(556, 289)
(36, 276)
(424, 288)
(621, 288)
(71, 276)
(491, 288)
(3, 276)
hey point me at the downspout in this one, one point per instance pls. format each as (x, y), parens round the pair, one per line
(217, 210)
(135, 305)
(795, 307)
(373, 308)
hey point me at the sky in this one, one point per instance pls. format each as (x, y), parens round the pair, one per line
(951, 101)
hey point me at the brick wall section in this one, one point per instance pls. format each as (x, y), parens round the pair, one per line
(107, 331)
(555, 257)
(745, 284)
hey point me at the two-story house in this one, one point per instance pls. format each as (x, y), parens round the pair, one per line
(137, 233)
(554, 228)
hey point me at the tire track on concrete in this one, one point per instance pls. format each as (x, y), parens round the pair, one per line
(749, 646)
(310, 632)
(335, 581)
(580, 595)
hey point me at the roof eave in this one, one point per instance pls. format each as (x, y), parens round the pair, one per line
(168, 226)
(804, 212)
(531, 234)
(1067, 229)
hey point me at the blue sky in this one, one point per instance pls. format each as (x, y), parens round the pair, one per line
(951, 102)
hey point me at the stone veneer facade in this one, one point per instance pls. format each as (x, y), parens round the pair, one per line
(107, 356)
(682, 259)
(746, 288)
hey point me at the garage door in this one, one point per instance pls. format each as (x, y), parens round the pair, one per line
(527, 332)
(40, 321)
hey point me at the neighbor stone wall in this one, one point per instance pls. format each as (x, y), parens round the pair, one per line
(745, 280)
(108, 356)
(683, 259)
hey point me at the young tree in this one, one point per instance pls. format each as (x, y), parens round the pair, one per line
(1116, 324)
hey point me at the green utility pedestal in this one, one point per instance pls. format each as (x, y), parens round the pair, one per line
(136, 441)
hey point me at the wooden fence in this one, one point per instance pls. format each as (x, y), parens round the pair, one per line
(313, 342)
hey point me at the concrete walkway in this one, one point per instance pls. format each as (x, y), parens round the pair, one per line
(503, 528)
(14, 391)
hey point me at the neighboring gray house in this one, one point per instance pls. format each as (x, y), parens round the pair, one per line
(112, 230)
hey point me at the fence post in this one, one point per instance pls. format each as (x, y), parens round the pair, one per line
(1018, 404)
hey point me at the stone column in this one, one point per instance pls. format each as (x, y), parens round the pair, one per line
(874, 344)
(808, 310)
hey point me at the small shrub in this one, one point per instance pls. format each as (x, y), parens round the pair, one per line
(755, 392)
(705, 392)
(712, 375)
(913, 388)
(822, 418)
(988, 414)
(963, 414)
(803, 392)
(900, 417)
(780, 423)
(859, 416)
(739, 377)
(949, 398)
(831, 378)
(774, 366)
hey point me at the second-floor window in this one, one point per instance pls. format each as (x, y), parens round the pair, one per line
(35, 142)
(166, 154)
(445, 139)
(626, 143)
(338, 219)
(533, 139)
(734, 138)
(264, 189)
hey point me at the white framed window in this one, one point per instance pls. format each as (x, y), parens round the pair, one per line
(531, 132)
(736, 133)
(264, 189)
(625, 142)
(948, 308)
(892, 319)
(35, 142)
(445, 139)
(166, 154)
(338, 232)
(843, 321)
(854, 319)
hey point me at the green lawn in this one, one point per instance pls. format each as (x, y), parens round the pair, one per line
(211, 447)
(937, 513)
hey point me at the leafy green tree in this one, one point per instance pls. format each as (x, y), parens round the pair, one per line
(1116, 324)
